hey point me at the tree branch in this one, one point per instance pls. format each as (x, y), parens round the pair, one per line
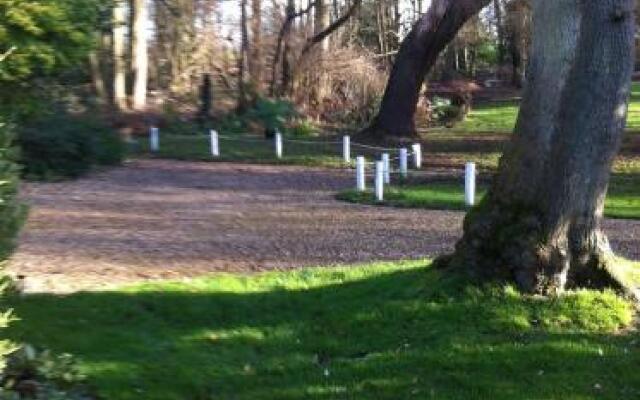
(320, 36)
(284, 30)
(7, 53)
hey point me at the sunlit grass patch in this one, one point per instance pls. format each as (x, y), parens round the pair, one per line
(623, 200)
(377, 331)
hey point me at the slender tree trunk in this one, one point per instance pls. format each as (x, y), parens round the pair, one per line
(140, 57)
(497, 9)
(539, 225)
(255, 60)
(119, 63)
(417, 55)
(97, 78)
(243, 59)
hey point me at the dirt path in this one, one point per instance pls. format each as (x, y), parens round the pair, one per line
(165, 219)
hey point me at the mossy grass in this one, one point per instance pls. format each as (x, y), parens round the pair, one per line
(375, 331)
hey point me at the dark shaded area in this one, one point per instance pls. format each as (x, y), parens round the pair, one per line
(406, 334)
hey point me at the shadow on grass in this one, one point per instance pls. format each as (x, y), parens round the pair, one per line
(380, 333)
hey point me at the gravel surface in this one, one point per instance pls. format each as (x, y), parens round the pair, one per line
(155, 219)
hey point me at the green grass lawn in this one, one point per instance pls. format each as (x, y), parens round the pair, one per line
(623, 200)
(501, 116)
(381, 331)
(246, 149)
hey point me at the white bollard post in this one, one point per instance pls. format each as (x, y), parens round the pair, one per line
(379, 183)
(403, 162)
(360, 172)
(215, 144)
(154, 139)
(470, 184)
(417, 155)
(278, 139)
(346, 149)
(387, 168)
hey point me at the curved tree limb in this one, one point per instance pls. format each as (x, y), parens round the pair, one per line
(320, 36)
(284, 31)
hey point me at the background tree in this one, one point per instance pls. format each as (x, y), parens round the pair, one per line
(119, 60)
(140, 58)
(418, 54)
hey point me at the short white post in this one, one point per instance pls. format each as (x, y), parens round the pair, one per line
(387, 168)
(403, 162)
(215, 145)
(360, 172)
(278, 139)
(417, 155)
(154, 139)
(346, 148)
(379, 183)
(470, 184)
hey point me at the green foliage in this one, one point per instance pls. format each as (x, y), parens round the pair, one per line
(442, 110)
(63, 146)
(302, 128)
(487, 53)
(12, 212)
(43, 40)
(48, 35)
(271, 113)
(41, 375)
(378, 331)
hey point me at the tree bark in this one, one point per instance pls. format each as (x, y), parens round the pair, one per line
(417, 55)
(140, 56)
(243, 59)
(322, 21)
(255, 61)
(97, 78)
(497, 8)
(119, 64)
(540, 223)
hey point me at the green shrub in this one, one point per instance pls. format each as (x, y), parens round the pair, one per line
(29, 373)
(273, 114)
(302, 128)
(62, 146)
(12, 212)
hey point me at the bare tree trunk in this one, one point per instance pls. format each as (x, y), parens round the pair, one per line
(119, 64)
(497, 9)
(140, 57)
(322, 21)
(255, 60)
(97, 78)
(417, 55)
(321, 80)
(243, 58)
(539, 225)
(282, 49)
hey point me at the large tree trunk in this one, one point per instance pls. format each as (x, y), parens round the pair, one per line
(140, 57)
(539, 225)
(417, 55)
(119, 63)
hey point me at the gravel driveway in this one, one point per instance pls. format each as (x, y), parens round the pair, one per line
(153, 219)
